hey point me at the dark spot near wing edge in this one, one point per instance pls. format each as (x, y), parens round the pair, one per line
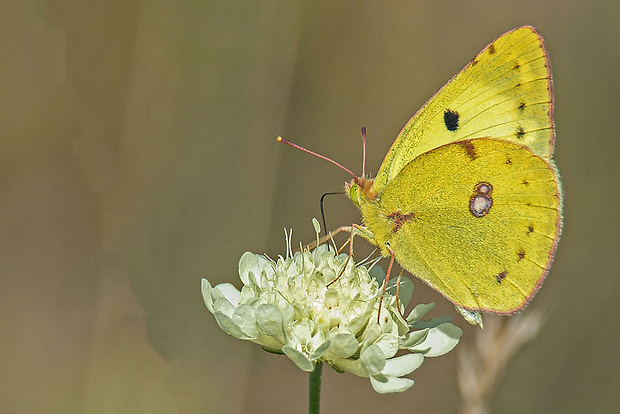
(520, 133)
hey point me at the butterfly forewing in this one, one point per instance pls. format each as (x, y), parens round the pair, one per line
(503, 93)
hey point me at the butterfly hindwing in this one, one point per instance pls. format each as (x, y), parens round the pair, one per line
(480, 228)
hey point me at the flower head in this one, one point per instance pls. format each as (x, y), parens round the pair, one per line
(289, 306)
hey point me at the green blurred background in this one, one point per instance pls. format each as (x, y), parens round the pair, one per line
(138, 154)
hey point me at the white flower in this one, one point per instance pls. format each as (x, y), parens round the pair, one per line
(288, 307)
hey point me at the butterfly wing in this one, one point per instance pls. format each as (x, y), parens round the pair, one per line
(478, 220)
(504, 93)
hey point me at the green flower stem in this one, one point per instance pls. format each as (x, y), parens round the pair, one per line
(314, 389)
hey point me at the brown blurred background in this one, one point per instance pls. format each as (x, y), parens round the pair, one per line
(138, 154)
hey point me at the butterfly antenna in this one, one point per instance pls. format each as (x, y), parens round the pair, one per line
(363, 151)
(323, 211)
(287, 142)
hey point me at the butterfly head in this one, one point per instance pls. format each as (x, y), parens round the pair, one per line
(358, 190)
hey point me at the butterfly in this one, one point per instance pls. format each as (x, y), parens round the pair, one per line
(468, 198)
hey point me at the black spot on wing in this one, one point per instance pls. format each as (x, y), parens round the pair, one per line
(520, 132)
(521, 106)
(491, 49)
(451, 119)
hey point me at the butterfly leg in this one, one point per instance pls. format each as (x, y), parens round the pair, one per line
(400, 276)
(329, 236)
(356, 229)
(385, 282)
(364, 233)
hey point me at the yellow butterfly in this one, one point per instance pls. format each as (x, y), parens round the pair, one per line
(468, 198)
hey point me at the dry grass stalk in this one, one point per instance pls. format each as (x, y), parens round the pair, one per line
(481, 367)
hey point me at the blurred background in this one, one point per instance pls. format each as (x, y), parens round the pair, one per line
(138, 154)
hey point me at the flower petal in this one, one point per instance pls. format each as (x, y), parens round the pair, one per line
(226, 323)
(320, 351)
(440, 340)
(248, 263)
(298, 358)
(419, 311)
(206, 289)
(222, 305)
(414, 338)
(388, 344)
(402, 365)
(269, 319)
(373, 359)
(390, 384)
(354, 366)
(245, 318)
(343, 344)
(227, 291)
